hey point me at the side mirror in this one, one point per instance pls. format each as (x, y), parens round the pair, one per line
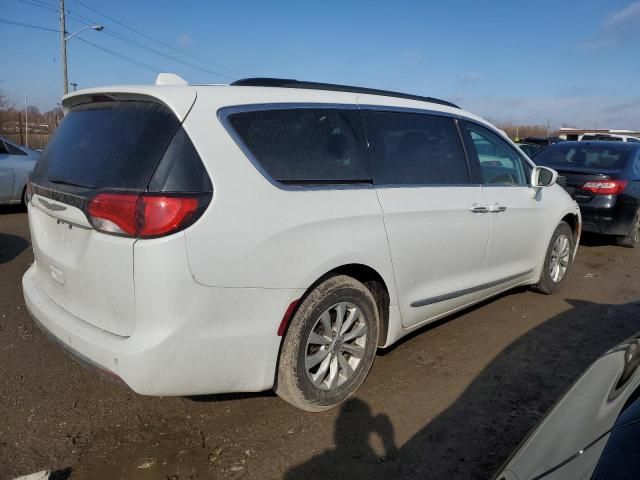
(543, 177)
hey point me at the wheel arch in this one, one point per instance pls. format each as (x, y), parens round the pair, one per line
(366, 275)
(574, 222)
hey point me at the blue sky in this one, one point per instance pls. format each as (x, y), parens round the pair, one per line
(571, 62)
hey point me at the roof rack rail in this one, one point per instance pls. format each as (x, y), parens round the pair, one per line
(290, 83)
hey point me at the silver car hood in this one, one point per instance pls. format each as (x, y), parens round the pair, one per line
(582, 418)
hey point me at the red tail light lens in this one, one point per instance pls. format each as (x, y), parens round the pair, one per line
(163, 215)
(114, 213)
(605, 187)
(144, 215)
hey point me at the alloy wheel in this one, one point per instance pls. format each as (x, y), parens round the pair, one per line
(560, 257)
(336, 346)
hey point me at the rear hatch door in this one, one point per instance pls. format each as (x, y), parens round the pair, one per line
(107, 142)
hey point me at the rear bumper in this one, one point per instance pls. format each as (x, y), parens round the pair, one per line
(608, 221)
(225, 342)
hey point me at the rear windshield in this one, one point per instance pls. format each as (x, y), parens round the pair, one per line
(604, 138)
(111, 144)
(588, 156)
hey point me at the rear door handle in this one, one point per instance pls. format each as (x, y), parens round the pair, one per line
(495, 208)
(475, 208)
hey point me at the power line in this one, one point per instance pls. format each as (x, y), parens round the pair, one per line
(160, 42)
(143, 46)
(27, 25)
(39, 4)
(123, 57)
(86, 21)
(135, 43)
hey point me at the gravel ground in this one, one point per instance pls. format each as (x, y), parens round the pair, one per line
(452, 401)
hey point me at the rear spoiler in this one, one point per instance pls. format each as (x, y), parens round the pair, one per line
(179, 98)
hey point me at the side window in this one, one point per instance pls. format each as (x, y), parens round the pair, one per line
(3, 148)
(500, 163)
(306, 145)
(14, 150)
(633, 140)
(636, 167)
(416, 149)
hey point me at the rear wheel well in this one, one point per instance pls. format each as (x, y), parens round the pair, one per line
(378, 288)
(370, 279)
(572, 220)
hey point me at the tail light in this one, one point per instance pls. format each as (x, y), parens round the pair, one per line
(144, 215)
(605, 187)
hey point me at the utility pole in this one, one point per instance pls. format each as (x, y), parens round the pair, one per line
(26, 122)
(63, 34)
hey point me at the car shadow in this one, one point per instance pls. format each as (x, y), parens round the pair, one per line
(225, 397)
(476, 434)
(11, 246)
(8, 209)
(595, 240)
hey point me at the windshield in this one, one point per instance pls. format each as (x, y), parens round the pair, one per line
(587, 156)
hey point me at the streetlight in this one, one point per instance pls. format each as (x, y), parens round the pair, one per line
(65, 38)
(97, 28)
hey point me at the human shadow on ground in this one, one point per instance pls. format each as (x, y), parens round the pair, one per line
(11, 246)
(475, 435)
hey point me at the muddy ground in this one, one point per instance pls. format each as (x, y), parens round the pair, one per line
(452, 401)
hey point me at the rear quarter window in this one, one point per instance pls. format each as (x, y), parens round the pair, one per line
(305, 145)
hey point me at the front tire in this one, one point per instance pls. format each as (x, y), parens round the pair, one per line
(330, 345)
(558, 260)
(632, 239)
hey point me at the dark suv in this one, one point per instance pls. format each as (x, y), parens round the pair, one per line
(604, 179)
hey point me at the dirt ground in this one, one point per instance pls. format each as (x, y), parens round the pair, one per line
(452, 401)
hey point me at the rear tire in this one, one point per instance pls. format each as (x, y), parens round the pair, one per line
(558, 260)
(632, 239)
(330, 345)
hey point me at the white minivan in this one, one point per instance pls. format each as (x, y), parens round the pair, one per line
(198, 239)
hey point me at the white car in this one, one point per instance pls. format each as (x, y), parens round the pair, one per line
(609, 137)
(197, 239)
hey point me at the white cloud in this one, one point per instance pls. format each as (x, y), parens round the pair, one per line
(413, 57)
(184, 40)
(617, 27)
(578, 111)
(469, 77)
(631, 13)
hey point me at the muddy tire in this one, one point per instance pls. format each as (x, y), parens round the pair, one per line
(632, 239)
(330, 345)
(557, 261)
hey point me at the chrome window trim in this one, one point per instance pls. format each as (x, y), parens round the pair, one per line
(224, 113)
(392, 108)
(420, 185)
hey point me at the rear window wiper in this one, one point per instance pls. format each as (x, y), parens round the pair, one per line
(61, 181)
